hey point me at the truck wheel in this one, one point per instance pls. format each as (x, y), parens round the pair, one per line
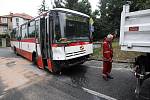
(140, 70)
(138, 87)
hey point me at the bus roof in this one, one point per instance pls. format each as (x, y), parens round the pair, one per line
(70, 11)
(59, 9)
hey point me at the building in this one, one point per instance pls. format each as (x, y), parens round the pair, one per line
(5, 24)
(5, 28)
(8, 22)
(20, 18)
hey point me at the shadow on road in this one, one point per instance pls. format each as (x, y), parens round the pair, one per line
(145, 90)
(2, 87)
(14, 94)
(7, 53)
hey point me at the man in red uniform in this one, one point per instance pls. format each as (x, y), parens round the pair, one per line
(107, 56)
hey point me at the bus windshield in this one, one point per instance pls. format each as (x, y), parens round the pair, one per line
(74, 27)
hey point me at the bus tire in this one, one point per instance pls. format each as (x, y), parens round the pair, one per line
(56, 68)
(34, 58)
(15, 51)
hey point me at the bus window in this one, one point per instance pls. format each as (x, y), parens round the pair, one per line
(31, 27)
(13, 34)
(74, 27)
(57, 29)
(37, 28)
(24, 31)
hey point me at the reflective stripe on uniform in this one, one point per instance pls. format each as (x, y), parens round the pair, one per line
(104, 42)
(107, 52)
(106, 59)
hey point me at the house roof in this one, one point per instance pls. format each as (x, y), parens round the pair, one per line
(22, 15)
(5, 16)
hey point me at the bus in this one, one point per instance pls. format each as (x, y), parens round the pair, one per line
(56, 39)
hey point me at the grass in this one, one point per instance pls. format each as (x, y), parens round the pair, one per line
(117, 53)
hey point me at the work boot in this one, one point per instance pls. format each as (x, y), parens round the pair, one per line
(110, 77)
(105, 78)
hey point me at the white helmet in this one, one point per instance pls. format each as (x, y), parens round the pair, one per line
(109, 36)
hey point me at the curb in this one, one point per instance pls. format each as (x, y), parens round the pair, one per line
(115, 61)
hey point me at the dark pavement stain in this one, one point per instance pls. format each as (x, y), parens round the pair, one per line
(10, 64)
(14, 94)
(145, 90)
(77, 75)
(122, 87)
(2, 87)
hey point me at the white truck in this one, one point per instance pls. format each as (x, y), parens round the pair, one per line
(135, 36)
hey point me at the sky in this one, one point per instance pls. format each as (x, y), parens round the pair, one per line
(28, 6)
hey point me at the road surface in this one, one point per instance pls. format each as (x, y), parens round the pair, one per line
(21, 80)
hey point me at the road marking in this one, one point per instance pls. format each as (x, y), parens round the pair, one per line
(98, 94)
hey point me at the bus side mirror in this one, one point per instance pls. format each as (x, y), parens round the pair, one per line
(91, 28)
(91, 37)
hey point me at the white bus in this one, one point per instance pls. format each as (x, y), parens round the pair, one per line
(54, 40)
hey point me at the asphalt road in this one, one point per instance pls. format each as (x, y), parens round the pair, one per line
(21, 80)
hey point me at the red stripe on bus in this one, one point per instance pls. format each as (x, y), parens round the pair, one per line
(28, 40)
(49, 63)
(28, 55)
(24, 53)
(78, 43)
(71, 44)
(55, 45)
(31, 40)
(40, 62)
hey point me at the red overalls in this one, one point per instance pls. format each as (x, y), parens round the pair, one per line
(107, 57)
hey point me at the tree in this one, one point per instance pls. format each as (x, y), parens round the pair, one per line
(84, 6)
(140, 5)
(110, 14)
(71, 4)
(81, 6)
(59, 4)
(43, 8)
(110, 11)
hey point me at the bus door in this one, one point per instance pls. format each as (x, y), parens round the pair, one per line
(48, 41)
(45, 41)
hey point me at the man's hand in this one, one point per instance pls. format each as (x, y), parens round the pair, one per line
(110, 60)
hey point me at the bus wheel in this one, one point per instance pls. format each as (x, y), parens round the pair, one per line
(34, 58)
(56, 68)
(15, 51)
